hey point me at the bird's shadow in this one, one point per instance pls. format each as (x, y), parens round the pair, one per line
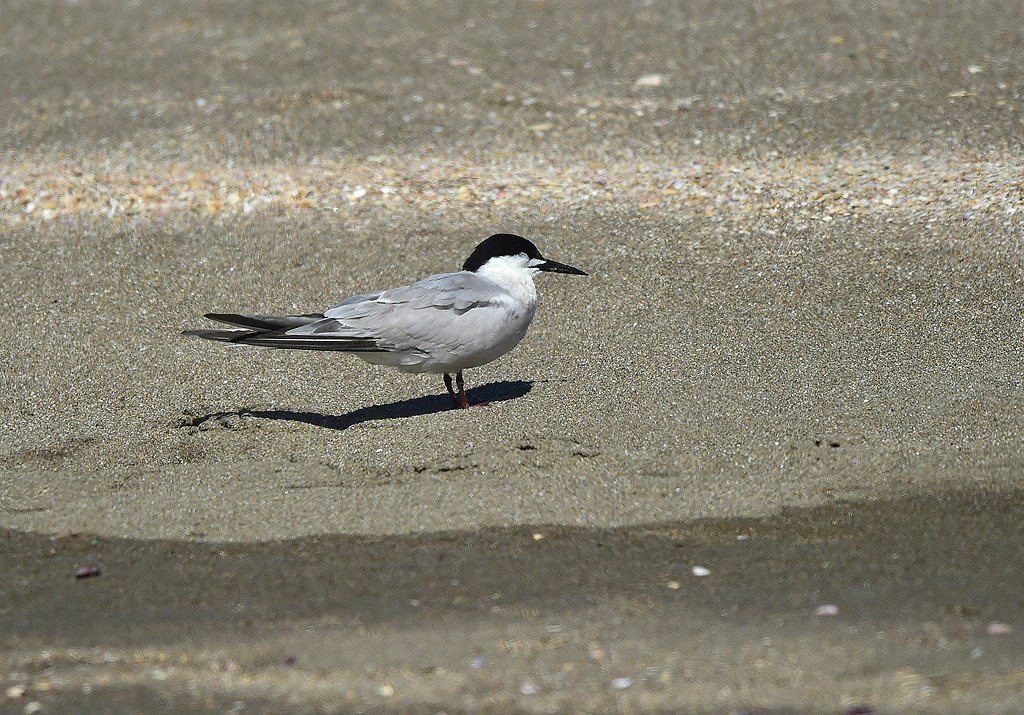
(416, 407)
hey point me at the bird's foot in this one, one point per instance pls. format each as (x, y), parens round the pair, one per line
(459, 397)
(466, 406)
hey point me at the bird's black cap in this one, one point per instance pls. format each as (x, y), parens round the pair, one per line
(500, 244)
(508, 244)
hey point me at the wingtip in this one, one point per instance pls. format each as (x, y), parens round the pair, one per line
(222, 336)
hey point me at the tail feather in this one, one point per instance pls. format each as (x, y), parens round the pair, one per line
(265, 322)
(310, 342)
(224, 336)
(277, 339)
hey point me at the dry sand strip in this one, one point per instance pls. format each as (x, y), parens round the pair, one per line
(815, 187)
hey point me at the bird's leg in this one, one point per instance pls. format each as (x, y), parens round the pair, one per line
(451, 390)
(463, 400)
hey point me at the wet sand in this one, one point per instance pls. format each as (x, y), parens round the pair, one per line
(796, 361)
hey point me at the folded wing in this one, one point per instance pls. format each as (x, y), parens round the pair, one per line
(433, 314)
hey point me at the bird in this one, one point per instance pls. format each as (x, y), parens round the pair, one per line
(442, 325)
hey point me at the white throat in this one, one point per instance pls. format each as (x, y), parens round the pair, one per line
(515, 275)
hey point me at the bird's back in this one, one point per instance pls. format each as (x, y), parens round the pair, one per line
(444, 323)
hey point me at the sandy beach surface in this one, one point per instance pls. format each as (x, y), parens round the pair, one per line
(766, 458)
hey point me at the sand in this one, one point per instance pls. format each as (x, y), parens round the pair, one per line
(795, 364)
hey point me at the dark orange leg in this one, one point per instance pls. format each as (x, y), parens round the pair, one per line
(451, 390)
(463, 400)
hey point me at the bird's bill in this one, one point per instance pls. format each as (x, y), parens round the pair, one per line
(556, 267)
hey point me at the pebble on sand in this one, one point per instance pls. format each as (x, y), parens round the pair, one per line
(700, 571)
(649, 80)
(15, 692)
(997, 628)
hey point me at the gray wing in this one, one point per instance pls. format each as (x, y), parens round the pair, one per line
(412, 318)
(273, 331)
(454, 291)
(436, 313)
(356, 299)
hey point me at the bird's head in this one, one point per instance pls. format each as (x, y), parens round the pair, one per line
(510, 252)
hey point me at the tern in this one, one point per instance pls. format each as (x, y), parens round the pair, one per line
(442, 325)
